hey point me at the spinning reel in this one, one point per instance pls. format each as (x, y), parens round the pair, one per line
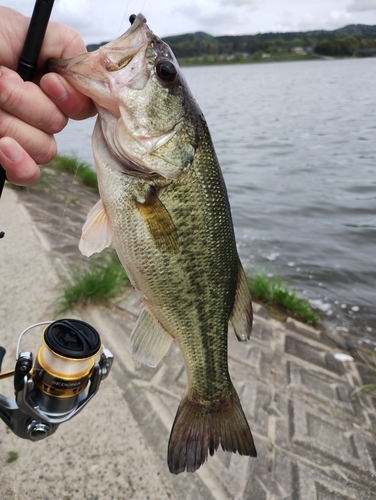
(56, 385)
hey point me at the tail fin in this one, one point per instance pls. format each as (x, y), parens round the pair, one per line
(199, 428)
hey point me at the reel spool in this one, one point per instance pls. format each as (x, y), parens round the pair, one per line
(64, 363)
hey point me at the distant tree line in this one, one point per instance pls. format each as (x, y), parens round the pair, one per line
(341, 42)
(347, 46)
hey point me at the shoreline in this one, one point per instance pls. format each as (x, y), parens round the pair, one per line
(192, 62)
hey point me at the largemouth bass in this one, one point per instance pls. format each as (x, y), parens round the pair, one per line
(164, 206)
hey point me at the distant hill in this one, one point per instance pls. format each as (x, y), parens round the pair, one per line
(342, 41)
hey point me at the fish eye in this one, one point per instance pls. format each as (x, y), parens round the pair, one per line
(166, 71)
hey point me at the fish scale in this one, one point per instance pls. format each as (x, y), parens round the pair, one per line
(164, 206)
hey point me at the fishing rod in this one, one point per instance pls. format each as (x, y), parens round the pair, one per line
(28, 61)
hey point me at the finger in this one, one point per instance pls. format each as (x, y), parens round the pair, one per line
(38, 144)
(12, 36)
(71, 102)
(61, 41)
(19, 167)
(26, 101)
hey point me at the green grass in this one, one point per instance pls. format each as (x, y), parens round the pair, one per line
(12, 457)
(80, 169)
(99, 284)
(96, 284)
(278, 299)
(372, 366)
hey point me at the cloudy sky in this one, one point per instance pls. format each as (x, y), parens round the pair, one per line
(99, 20)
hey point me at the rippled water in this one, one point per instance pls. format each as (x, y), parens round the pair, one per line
(297, 146)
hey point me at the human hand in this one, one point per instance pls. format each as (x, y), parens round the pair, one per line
(30, 114)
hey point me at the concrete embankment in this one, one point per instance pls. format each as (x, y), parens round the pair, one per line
(313, 441)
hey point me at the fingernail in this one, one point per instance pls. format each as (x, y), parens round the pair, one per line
(11, 149)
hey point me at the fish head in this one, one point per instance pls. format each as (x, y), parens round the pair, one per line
(149, 120)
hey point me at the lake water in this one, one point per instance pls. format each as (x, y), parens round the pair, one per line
(297, 146)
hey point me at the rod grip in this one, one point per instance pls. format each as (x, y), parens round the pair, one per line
(28, 61)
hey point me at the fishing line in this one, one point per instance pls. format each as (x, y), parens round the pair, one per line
(122, 21)
(142, 10)
(125, 14)
(67, 201)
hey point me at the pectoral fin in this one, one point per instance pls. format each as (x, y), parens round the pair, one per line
(160, 223)
(242, 316)
(96, 232)
(149, 340)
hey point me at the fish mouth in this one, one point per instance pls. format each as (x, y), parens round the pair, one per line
(97, 74)
(62, 65)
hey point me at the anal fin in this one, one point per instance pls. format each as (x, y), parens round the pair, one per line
(149, 340)
(242, 315)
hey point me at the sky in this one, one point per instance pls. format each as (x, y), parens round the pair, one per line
(104, 20)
